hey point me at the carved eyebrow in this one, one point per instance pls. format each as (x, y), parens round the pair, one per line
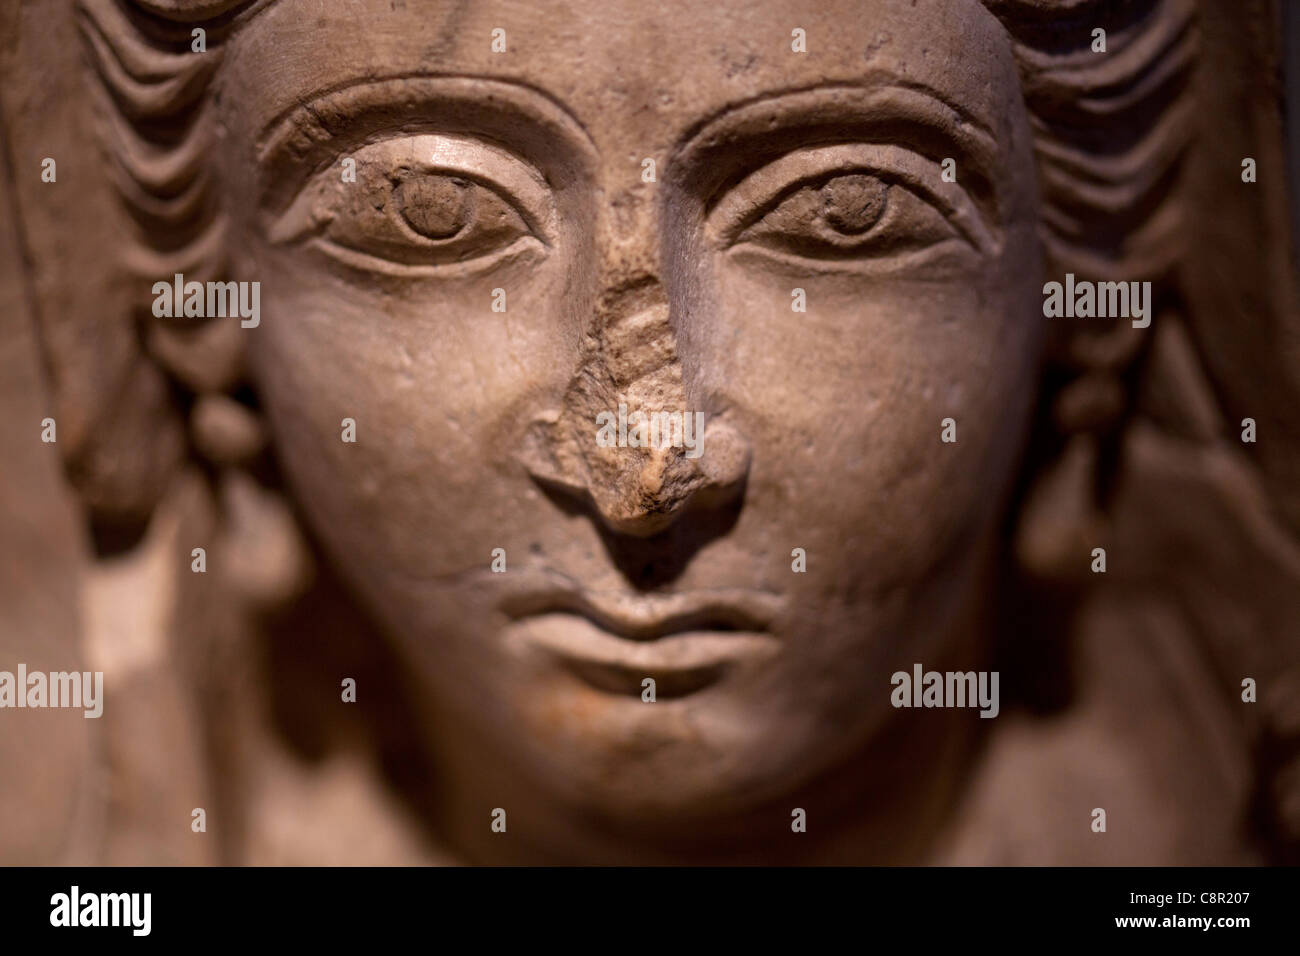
(309, 137)
(722, 148)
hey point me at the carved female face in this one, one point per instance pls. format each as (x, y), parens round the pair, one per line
(503, 266)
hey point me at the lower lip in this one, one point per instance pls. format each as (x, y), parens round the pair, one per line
(680, 664)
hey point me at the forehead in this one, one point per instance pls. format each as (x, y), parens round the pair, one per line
(636, 74)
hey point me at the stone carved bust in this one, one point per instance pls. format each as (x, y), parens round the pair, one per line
(428, 598)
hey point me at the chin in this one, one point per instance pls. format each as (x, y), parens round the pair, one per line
(658, 764)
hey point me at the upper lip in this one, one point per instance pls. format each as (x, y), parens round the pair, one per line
(648, 617)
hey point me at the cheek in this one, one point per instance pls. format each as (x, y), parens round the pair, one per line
(440, 387)
(844, 403)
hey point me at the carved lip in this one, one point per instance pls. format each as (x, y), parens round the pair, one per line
(651, 617)
(614, 641)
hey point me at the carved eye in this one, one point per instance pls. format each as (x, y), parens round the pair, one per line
(423, 201)
(416, 216)
(847, 215)
(850, 206)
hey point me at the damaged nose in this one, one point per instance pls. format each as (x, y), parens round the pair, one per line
(624, 438)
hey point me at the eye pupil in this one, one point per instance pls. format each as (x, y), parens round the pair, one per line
(852, 204)
(436, 207)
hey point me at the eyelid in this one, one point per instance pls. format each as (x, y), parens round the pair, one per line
(461, 156)
(308, 138)
(754, 196)
(882, 108)
(369, 265)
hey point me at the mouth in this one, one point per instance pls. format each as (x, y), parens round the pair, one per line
(613, 642)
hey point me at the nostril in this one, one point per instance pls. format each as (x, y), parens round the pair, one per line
(725, 456)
